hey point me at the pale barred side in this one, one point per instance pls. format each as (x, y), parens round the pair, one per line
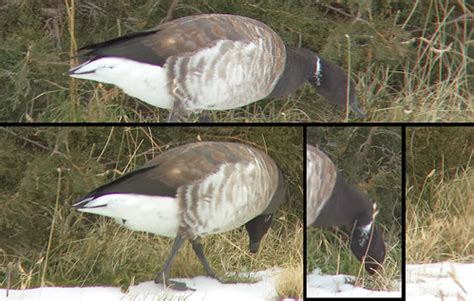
(232, 196)
(223, 76)
(321, 176)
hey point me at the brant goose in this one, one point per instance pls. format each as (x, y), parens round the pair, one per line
(211, 62)
(333, 202)
(191, 191)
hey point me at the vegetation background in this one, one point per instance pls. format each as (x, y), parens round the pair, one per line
(411, 60)
(43, 241)
(440, 194)
(370, 159)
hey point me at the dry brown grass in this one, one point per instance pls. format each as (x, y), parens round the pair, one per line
(445, 230)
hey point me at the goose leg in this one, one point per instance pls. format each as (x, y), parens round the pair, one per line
(197, 247)
(172, 117)
(205, 117)
(177, 111)
(162, 276)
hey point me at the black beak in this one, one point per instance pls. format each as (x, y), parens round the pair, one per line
(254, 246)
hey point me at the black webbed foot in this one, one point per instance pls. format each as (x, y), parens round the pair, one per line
(175, 285)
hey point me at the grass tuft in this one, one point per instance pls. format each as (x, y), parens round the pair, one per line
(440, 211)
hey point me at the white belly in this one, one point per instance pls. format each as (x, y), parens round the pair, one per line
(158, 215)
(143, 81)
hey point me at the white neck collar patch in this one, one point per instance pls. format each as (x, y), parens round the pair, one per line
(318, 74)
(365, 232)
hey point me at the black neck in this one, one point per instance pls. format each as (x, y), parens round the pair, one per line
(348, 206)
(299, 67)
(345, 206)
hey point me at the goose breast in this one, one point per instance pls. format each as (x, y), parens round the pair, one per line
(320, 181)
(221, 186)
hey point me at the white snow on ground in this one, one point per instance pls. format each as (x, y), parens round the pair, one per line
(206, 289)
(319, 285)
(440, 281)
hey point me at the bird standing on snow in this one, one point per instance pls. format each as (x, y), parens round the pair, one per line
(211, 62)
(191, 191)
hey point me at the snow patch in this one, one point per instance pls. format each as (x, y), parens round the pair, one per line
(319, 285)
(205, 289)
(436, 281)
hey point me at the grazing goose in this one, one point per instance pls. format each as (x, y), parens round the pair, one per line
(211, 62)
(333, 202)
(191, 191)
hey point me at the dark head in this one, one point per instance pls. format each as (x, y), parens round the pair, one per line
(371, 238)
(258, 226)
(331, 81)
(257, 229)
